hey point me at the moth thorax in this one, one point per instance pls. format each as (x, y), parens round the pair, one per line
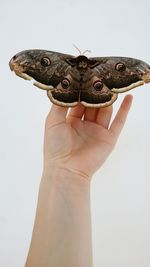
(82, 65)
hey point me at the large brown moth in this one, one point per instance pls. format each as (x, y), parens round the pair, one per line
(94, 81)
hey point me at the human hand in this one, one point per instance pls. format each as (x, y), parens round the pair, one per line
(80, 139)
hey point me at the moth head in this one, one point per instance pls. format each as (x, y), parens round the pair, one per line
(82, 62)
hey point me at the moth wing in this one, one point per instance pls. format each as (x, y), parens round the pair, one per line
(49, 69)
(121, 74)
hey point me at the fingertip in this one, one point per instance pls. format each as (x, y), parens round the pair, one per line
(128, 99)
(56, 114)
(57, 109)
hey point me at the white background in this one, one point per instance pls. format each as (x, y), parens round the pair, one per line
(120, 193)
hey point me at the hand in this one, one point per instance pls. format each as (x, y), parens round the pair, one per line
(80, 139)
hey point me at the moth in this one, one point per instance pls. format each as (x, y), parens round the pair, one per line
(94, 82)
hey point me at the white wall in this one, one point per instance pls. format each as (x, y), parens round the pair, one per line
(121, 188)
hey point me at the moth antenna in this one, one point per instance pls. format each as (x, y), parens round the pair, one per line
(77, 49)
(87, 51)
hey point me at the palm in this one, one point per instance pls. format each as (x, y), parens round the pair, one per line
(82, 145)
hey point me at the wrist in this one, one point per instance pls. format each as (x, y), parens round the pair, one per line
(57, 169)
(67, 178)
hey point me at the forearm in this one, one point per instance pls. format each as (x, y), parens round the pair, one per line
(62, 230)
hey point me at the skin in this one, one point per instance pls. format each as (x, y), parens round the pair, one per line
(77, 142)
